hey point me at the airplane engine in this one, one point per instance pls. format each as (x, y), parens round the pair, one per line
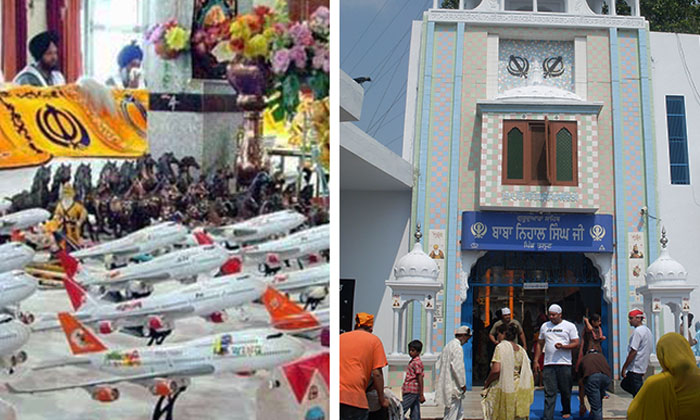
(105, 394)
(164, 387)
(156, 323)
(139, 288)
(218, 317)
(105, 327)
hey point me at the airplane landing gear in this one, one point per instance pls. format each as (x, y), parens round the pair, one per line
(166, 412)
(157, 337)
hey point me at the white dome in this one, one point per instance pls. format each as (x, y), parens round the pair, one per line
(416, 264)
(538, 92)
(666, 270)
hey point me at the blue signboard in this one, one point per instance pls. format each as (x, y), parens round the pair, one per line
(499, 231)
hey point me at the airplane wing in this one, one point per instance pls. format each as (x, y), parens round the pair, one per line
(138, 313)
(204, 369)
(282, 253)
(117, 253)
(134, 277)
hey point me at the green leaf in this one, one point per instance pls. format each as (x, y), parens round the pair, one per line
(290, 92)
(319, 82)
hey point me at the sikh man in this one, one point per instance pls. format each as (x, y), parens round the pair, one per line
(361, 360)
(507, 319)
(452, 380)
(129, 61)
(44, 71)
(557, 337)
(639, 350)
(70, 215)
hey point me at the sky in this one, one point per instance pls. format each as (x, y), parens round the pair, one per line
(374, 42)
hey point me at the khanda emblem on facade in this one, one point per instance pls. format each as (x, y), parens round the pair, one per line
(553, 67)
(597, 232)
(518, 66)
(132, 109)
(479, 230)
(61, 127)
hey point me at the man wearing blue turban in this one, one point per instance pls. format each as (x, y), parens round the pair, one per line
(129, 61)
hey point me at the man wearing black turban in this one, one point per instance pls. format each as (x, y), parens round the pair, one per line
(129, 61)
(44, 71)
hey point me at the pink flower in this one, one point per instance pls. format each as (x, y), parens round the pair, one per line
(280, 61)
(298, 55)
(320, 21)
(321, 59)
(301, 34)
(155, 33)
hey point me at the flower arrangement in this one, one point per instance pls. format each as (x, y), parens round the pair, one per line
(292, 55)
(169, 39)
(211, 26)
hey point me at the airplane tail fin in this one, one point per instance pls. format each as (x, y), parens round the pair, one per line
(70, 265)
(285, 314)
(80, 339)
(203, 238)
(77, 295)
(232, 266)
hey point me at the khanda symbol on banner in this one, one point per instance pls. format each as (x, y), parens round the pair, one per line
(479, 230)
(62, 127)
(597, 232)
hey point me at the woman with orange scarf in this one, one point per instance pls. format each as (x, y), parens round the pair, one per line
(675, 392)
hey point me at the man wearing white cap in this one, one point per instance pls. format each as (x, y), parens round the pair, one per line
(452, 379)
(559, 337)
(507, 319)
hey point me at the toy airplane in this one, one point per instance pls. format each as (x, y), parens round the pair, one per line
(166, 371)
(146, 240)
(154, 316)
(261, 227)
(22, 220)
(14, 256)
(138, 279)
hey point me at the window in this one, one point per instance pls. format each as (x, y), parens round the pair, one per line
(540, 153)
(677, 140)
(109, 26)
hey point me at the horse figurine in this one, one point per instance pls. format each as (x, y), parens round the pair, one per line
(38, 196)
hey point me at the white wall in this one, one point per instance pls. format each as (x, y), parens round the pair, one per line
(679, 205)
(374, 230)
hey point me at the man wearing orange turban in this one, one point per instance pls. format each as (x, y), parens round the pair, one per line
(362, 358)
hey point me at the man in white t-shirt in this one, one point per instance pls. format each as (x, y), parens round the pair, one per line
(558, 337)
(638, 352)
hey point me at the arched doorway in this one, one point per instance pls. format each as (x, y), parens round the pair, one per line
(527, 282)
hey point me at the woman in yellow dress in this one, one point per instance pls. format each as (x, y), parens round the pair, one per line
(675, 392)
(509, 389)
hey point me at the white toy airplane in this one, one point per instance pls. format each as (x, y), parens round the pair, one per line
(22, 220)
(155, 316)
(13, 335)
(166, 371)
(138, 279)
(15, 286)
(296, 245)
(142, 241)
(260, 227)
(297, 281)
(15, 256)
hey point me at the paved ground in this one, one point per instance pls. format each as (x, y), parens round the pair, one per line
(613, 408)
(225, 396)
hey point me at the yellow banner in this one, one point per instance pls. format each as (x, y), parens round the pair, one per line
(39, 123)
